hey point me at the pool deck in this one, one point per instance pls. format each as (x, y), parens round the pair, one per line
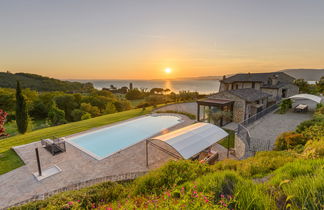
(76, 165)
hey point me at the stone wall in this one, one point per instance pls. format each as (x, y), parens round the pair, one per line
(240, 147)
(238, 107)
(273, 92)
(291, 89)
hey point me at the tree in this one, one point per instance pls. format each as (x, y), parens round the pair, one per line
(122, 105)
(110, 108)
(93, 110)
(3, 116)
(154, 100)
(56, 116)
(21, 111)
(67, 103)
(134, 94)
(77, 114)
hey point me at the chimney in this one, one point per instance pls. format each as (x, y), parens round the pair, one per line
(224, 77)
(274, 80)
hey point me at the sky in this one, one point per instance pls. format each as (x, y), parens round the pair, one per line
(139, 39)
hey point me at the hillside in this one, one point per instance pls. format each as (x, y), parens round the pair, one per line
(41, 83)
(290, 178)
(306, 74)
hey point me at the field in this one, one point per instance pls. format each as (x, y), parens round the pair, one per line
(9, 159)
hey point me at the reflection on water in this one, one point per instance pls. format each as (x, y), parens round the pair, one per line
(201, 86)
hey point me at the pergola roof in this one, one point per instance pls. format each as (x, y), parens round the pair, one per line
(192, 139)
(213, 101)
(317, 99)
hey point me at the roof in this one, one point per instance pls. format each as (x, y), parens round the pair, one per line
(190, 140)
(258, 77)
(214, 101)
(279, 85)
(317, 99)
(249, 94)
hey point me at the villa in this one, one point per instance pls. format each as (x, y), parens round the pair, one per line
(244, 95)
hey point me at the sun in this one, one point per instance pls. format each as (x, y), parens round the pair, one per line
(168, 70)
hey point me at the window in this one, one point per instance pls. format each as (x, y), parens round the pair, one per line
(236, 86)
(253, 84)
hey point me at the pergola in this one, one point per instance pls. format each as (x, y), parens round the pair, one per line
(207, 105)
(311, 97)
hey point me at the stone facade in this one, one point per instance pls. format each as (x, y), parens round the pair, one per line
(240, 147)
(239, 85)
(238, 107)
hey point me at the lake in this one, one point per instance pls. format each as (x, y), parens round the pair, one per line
(201, 86)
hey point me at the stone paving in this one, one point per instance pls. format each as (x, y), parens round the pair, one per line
(265, 130)
(77, 166)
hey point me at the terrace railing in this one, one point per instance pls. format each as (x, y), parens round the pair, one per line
(260, 114)
(253, 144)
(79, 185)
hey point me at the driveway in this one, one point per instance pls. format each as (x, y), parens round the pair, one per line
(265, 131)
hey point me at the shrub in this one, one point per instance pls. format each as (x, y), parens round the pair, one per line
(171, 174)
(134, 94)
(77, 114)
(315, 132)
(288, 140)
(314, 149)
(230, 184)
(56, 116)
(285, 105)
(308, 123)
(300, 184)
(93, 110)
(154, 100)
(258, 166)
(305, 192)
(86, 116)
(85, 198)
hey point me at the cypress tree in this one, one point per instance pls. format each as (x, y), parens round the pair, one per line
(21, 111)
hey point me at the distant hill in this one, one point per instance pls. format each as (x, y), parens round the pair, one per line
(40, 83)
(306, 74)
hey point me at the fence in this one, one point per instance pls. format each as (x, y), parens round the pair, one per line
(79, 185)
(254, 144)
(260, 114)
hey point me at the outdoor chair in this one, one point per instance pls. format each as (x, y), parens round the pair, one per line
(55, 146)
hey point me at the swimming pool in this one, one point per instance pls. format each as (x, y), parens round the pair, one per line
(106, 141)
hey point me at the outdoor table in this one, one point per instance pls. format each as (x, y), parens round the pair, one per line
(301, 108)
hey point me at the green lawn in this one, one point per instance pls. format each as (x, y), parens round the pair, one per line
(9, 160)
(229, 141)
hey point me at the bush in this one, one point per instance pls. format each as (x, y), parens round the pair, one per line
(171, 174)
(315, 132)
(260, 165)
(314, 149)
(134, 94)
(85, 198)
(86, 116)
(93, 110)
(154, 100)
(299, 184)
(56, 116)
(285, 105)
(77, 114)
(308, 123)
(288, 140)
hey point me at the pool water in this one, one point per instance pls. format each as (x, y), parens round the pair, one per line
(106, 141)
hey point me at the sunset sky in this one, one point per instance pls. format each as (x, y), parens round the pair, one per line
(139, 39)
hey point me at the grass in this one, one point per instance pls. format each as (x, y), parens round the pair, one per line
(229, 141)
(9, 160)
